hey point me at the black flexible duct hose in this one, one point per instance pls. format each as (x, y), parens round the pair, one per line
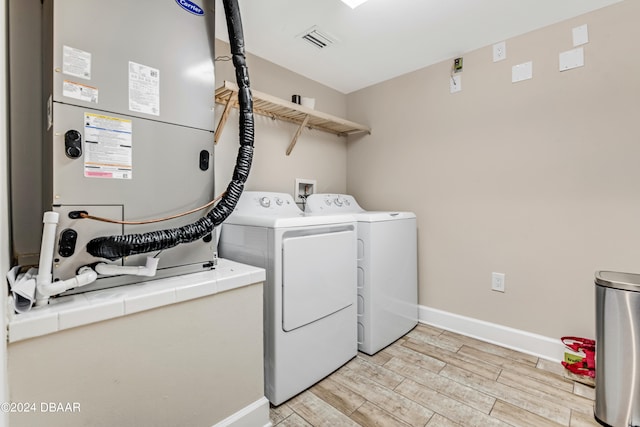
(115, 247)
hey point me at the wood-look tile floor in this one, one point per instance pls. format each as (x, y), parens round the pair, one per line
(437, 378)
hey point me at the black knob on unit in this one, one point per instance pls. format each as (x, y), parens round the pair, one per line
(204, 160)
(73, 144)
(67, 242)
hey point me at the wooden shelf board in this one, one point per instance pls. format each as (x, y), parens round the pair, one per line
(276, 108)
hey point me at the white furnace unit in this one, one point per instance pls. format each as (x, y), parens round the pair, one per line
(129, 111)
(387, 269)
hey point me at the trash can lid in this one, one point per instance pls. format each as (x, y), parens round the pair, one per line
(617, 280)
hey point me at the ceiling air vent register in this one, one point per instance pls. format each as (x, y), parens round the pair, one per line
(317, 38)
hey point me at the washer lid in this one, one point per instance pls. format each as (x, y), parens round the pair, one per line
(376, 216)
(617, 280)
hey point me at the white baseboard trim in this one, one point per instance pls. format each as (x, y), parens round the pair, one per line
(515, 339)
(255, 414)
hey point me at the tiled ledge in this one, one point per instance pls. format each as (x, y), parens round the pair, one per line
(82, 309)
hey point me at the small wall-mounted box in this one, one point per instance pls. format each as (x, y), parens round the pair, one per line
(304, 188)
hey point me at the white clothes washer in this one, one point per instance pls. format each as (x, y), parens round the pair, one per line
(310, 291)
(387, 269)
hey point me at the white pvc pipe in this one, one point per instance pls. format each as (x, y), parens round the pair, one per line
(43, 279)
(114, 270)
(45, 288)
(86, 275)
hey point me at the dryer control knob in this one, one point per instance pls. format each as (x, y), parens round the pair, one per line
(338, 202)
(265, 202)
(279, 201)
(327, 202)
(347, 202)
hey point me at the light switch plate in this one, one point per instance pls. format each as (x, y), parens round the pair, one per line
(580, 35)
(570, 59)
(522, 72)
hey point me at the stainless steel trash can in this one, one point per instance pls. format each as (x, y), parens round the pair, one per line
(617, 349)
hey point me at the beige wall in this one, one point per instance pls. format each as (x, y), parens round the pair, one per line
(538, 180)
(189, 364)
(317, 155)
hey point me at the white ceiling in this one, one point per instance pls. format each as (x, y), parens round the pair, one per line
(382, 39)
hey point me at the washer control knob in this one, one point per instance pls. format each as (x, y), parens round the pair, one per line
(327, 202)
(347, 202)
(338, 202)
(279, 201)
(265, 202)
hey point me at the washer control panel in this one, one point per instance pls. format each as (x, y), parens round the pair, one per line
(332, 203)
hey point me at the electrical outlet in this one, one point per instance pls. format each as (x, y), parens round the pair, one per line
(497, 282)
(499, 51)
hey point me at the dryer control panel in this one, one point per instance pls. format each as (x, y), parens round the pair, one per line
(267, 203)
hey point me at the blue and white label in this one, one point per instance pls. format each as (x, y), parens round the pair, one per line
(191, 7)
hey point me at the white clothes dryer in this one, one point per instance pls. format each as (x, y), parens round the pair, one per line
(387, 269)
(310, 291)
